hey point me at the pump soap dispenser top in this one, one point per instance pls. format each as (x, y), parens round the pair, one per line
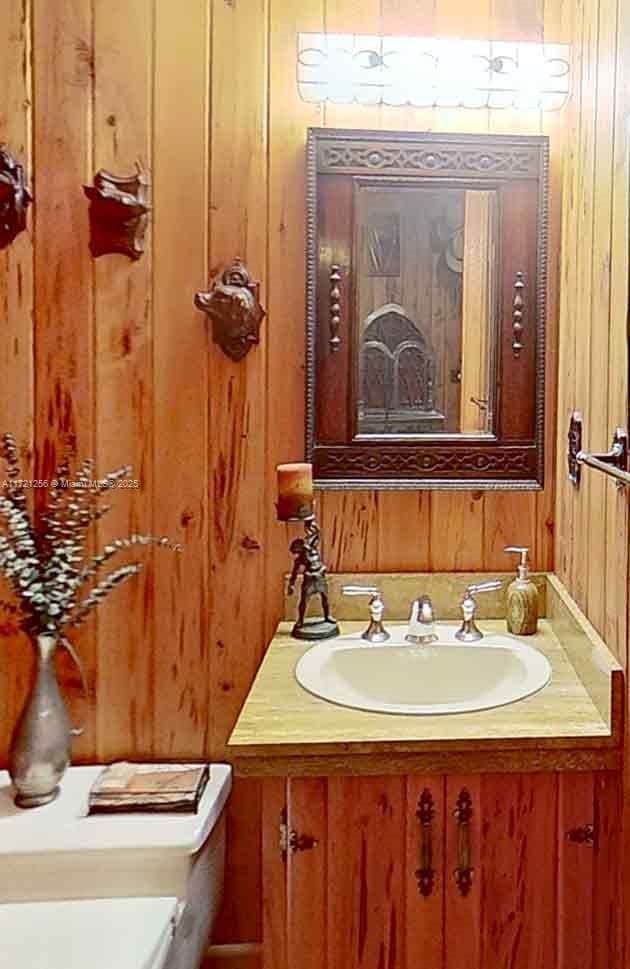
(522, 598)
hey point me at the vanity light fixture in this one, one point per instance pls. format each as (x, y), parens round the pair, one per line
(427, 72)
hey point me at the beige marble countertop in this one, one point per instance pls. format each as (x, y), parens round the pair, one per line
(284, 729)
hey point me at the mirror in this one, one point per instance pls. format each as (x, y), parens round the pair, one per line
(427, 313)
(426, 305)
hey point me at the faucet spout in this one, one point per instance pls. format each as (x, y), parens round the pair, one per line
(422, 622)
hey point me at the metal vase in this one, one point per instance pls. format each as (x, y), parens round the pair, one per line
(40, 746)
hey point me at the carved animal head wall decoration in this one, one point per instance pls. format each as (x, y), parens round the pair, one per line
(14, 198)
(232, 303)
(118, 213)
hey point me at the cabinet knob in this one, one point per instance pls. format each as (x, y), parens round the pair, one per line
(301, 842)
(292, 842)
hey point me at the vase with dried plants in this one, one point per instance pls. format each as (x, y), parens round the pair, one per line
(56, 585)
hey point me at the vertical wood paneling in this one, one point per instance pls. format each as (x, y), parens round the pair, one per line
(366, 828)
(592, 540)
(120, 360)
(424, 915)
(457, 528)
(274, 889)
(517, 870)
(617, 571)
(16, 312)
(180, 359)
(608, 897)
(123, 71)
(289, 118)
(237, 402)
(308, 885)
(585, 223)
(600, 297)
(575, 873)
(237, 429)
(64, 322)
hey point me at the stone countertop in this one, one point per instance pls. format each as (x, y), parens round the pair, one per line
(283, 729)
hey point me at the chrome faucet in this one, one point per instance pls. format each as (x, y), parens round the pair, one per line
(422, 623)
(469, 632)
(375, 632)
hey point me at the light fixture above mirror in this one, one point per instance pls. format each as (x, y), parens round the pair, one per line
(432, 72)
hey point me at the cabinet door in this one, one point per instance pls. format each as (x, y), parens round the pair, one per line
(425, 873)
(492, 871)
(363, 875)
(531, 871)
(501, 868)
(589, 891)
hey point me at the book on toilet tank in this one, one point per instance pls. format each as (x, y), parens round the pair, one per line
(124, 787)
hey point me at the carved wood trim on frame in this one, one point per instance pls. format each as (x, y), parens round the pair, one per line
(509, 458)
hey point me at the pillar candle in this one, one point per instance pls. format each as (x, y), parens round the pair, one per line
(295, 491)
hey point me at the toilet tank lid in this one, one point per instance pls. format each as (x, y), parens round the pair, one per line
(125, 933)
(64, 825)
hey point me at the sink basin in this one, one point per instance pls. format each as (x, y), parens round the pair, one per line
(447, 677)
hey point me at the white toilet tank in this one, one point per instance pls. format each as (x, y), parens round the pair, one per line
(56, 852)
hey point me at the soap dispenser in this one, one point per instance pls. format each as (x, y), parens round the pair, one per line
(522, 598)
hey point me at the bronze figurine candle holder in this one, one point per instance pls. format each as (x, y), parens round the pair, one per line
(308, 562)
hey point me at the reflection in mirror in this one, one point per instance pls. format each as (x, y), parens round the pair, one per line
(426, 296)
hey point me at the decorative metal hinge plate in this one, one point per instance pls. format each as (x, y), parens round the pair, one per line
(582, 836)
(290, 841)
(14, 197)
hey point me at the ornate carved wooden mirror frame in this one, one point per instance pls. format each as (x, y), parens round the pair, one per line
(512, 456)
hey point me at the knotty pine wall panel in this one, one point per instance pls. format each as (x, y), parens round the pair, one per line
(115, 355)
(16, 311)
(592, 530)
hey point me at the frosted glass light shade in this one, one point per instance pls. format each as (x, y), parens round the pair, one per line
(432, 72)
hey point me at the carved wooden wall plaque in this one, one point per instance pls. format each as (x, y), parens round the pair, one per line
(232, 304)
(14, 198)
(119, 210)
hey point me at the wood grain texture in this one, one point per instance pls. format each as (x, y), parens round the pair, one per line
(118, 357)
(16, 311)
(424, 915)
(63, 72)
(575, 873)
(608, 889)
(592, 549)
(365, 860)
(517, 870)
(123, 380)
(307, 874)
(180, 650)
(274, 888)
(237, 428)
(536, 897)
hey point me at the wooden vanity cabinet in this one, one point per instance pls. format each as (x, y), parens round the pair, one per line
(370, 872)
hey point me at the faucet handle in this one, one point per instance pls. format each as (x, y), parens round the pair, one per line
(360, 590)
(375, 632)
(469, 632)
(490, 585)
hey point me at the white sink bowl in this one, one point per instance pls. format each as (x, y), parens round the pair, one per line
(447, 677)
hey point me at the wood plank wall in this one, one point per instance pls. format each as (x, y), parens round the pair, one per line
(114, 355)
(592, 523)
